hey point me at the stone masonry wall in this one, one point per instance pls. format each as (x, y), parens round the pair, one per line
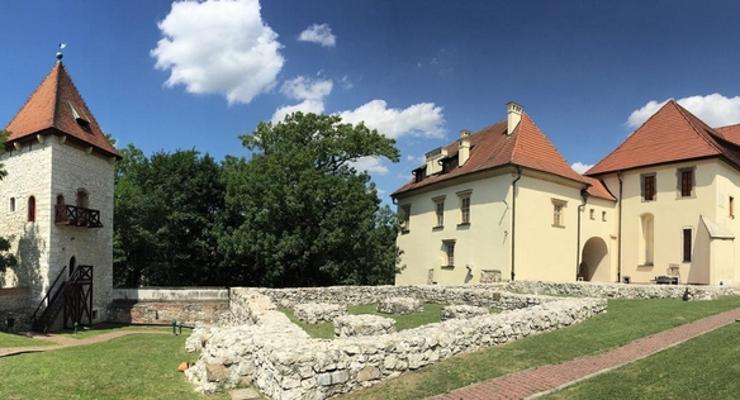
(16, 308)
(189, 313)
(481, 295)
(280, 359)
(616, 290)
(74, 169)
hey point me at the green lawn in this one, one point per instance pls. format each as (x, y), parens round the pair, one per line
(707, 367)
(132, 367)
(325, 330)
(625, 321)
(13, 340)
(110, 327)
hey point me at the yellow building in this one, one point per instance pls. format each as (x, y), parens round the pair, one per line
(503, 204)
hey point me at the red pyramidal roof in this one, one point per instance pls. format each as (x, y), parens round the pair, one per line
(526, 147)
(671, 134)
(57, 107)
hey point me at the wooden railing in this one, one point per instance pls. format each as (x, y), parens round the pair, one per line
(77, 216)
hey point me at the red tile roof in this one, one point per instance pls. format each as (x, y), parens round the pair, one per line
(526, 147)
(731, 133)
(52, 107)
(671, 134)
(598, 189)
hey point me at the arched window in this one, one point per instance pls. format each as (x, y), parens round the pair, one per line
(83, 199)
(31, 209)
(647, 239)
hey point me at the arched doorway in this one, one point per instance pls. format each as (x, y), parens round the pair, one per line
(595, 261)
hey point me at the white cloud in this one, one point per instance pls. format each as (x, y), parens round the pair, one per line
(346, 83)
(581, 167)
(714, 109)
(311, 92)
(219, 47)
(302, 88)
(371, 164)
(423, 119)
(319, 34)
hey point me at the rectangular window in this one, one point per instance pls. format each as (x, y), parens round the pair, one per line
(558, 207)
(732, 207)
(603, 216)
(464, 207)
(648, 187)
(439, 209)
(687, 245)
(592, 213)
(686, 183)
(449, 246)
(404, 217)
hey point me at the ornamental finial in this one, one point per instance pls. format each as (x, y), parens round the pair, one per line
(60, 55)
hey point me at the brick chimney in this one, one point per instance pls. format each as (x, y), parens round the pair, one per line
(513, 116)
(463, 152)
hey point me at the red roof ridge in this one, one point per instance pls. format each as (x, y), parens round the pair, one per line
(690, 118)
(727, 126)
(616, 149)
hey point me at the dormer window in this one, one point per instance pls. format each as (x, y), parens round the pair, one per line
(81, 121)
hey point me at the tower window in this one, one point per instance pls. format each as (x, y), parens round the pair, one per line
(31, 209)
(648, 187)
(439, 208)
(449, 247)
(12, 204)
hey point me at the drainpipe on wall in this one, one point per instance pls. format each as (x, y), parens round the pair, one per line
(513, 219)
(619, 231)
(581, 208)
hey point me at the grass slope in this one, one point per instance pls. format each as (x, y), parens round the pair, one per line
(626, 320)
(108, 328)
(132, 367)
(325, 330)
(706, 367)
(13, 340)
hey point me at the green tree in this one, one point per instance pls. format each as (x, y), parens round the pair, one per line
(6, 259)
(299, 214)
(167, 207)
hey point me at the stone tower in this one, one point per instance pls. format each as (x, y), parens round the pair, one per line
(56, 203)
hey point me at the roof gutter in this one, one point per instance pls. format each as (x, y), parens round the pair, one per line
(581, 208)
(513, 220)
(619, 231)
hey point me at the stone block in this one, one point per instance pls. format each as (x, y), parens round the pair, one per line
(400, 305)
(363, 325)
(318, 312)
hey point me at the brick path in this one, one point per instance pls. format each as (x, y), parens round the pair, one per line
(548, 378)
(61, 342)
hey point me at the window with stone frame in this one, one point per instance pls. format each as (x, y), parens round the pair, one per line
(32, 209)
(439, 211)
(648, 183)
(464, 207)
(449, 248)
(685, 178)
(558, 211)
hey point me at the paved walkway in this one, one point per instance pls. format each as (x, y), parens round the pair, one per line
(542, 380)
(61, 341)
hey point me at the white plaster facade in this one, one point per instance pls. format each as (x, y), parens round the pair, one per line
(45, 171)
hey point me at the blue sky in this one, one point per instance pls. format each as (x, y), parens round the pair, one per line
(587, 72)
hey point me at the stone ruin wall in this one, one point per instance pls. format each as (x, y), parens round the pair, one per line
(265, 349)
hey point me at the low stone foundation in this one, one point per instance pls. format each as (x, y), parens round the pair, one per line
(463, 311)
(285, 363)
(400, 305)
(318, 312)
(617, 290)
(161, 306)
(363, 325)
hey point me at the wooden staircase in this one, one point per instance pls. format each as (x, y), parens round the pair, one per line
(73, 297)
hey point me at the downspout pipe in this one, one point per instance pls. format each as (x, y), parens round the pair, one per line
(513, 220)
(619, 231)
(581, 209)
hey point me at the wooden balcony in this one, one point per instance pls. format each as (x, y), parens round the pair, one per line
(77, 216)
